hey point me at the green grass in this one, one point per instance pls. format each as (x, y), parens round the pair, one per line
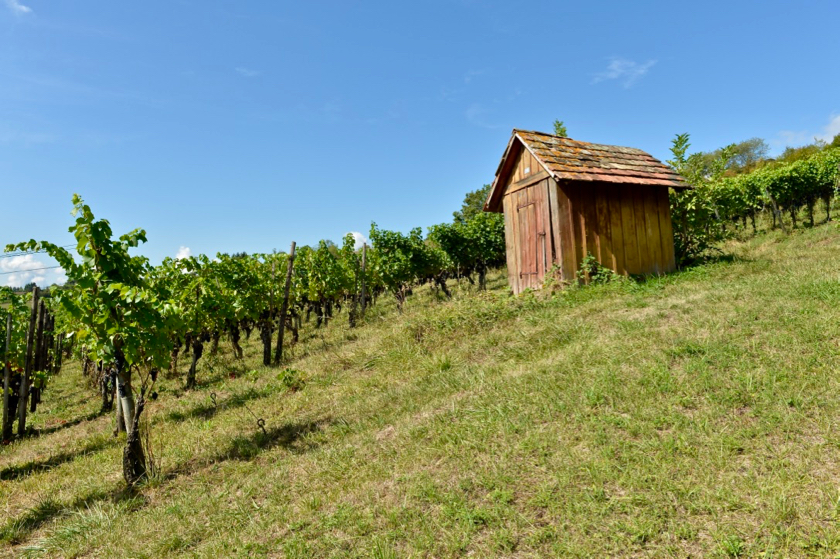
(690, 415)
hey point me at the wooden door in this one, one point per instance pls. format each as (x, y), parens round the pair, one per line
(532, 242)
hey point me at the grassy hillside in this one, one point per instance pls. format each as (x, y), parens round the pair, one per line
(694, 414)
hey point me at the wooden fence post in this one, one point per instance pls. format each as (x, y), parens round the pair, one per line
(364, 268)
(278, 353)
(38, 360)
(27, 370)
(7, 381)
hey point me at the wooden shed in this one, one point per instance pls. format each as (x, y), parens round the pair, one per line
(563, 199)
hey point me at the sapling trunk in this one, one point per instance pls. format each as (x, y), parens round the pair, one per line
(265, 336)
(119, 416)
(234, 341)
(124, 393)
(173, 361)
(134, 458)
(777, 214)
(25, 377)
(441, 282)
(7, 384)
(197, 350)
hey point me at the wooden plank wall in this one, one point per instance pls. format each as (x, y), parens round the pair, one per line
(626, 227)
(510, 245)
(526, 165)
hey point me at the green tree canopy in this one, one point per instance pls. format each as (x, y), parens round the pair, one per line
(472, 205)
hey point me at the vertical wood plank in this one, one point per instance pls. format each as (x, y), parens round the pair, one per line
(590, 220)
(578, 228)
(602, 211)
(533, 240)
(632, 261)
(545, 216)
(525, 260)
(516, 169)
(654, 236)
(667, 230)
(645, 257)
(616, 230)
(555, 219)
(511, 247)
(567, 233)
(535, 223)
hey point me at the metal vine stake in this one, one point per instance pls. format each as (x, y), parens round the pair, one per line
(260, 420)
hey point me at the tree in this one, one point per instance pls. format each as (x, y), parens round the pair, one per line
(797, 154)
(696, 219)
(749, 153)
(560, 129)
(115, 313)
(835, 143)
(472, 205)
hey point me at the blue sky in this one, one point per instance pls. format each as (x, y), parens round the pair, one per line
(229, 126)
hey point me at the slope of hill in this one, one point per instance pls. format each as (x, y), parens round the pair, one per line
(694, 414)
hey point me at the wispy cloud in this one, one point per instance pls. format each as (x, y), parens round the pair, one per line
(183, 252)
(468, 77)
(802, 137)
(20, 270)
(247, 72)
(831, 129)
(15, 136)
(17, 8)
(625, 71)
(476, 114)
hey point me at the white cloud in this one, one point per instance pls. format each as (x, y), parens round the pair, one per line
(624, 70)
(831, 129)
(247, 72)
(360, 239)
(183, 252)
(20, 270)
(468, 77)
(802, 137)
(476, 114)
(17, 7)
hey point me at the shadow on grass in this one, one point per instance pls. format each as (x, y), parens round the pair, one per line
(36, 466)
(208, 409)
(291, 436)
(16, 530)
(67, 424)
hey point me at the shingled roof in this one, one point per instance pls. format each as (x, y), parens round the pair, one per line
(572, 160)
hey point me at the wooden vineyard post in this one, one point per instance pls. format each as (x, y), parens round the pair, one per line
(7, 381)
(284, 307)
(58, 351)
(38, 360)
(267, 324)
(27, 369)
(364, 295)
